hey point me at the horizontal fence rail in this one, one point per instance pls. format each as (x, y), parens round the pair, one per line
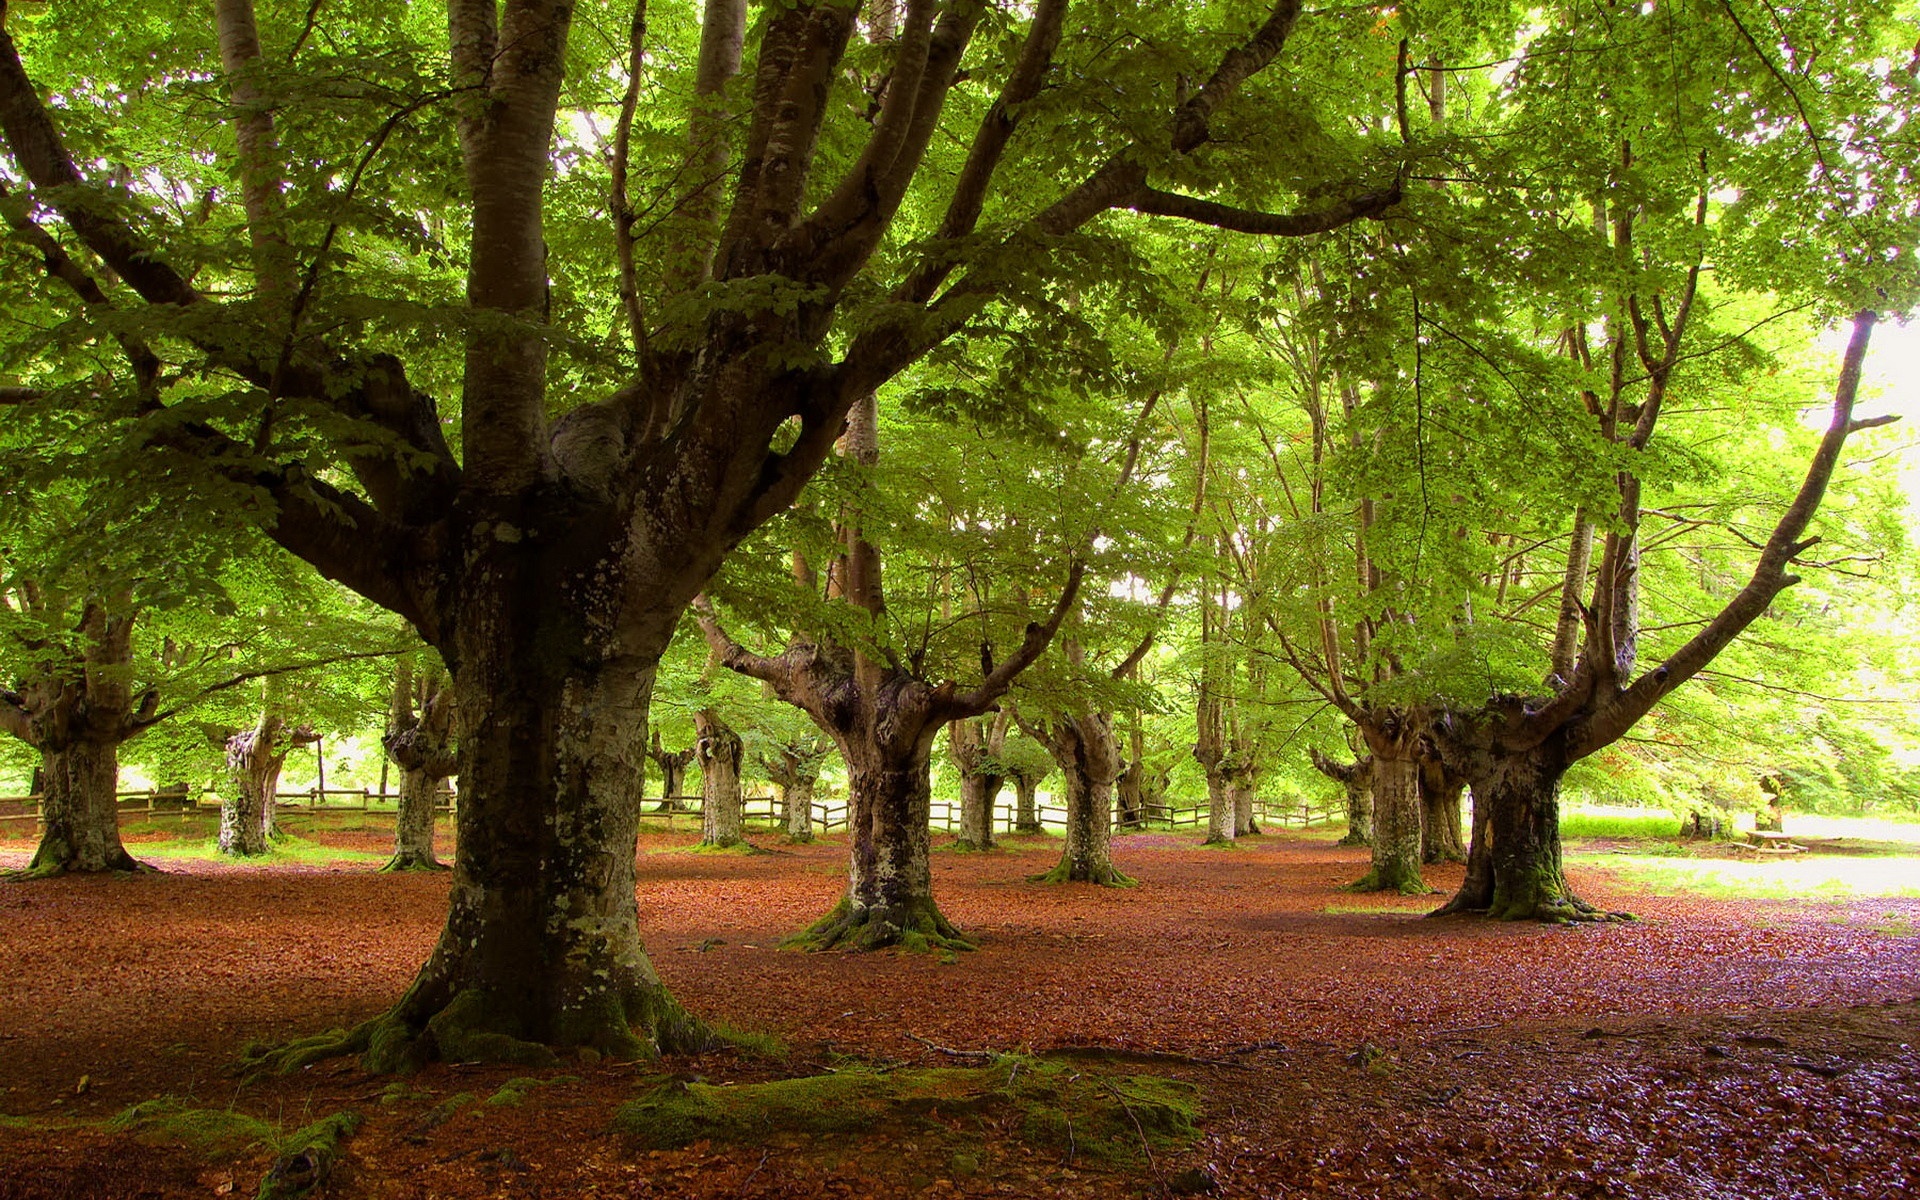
(828, 815)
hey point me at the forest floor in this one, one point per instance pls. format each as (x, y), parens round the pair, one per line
(1340, 1045)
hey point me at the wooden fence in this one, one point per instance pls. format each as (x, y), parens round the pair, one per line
(767, 809)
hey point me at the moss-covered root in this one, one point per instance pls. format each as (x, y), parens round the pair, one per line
(52, 866)
(1548, 905)
(1354, 837)
(1100, 874)
(916, 925)
(410, 860)
(1404, 879)
(643, 1023)
(308, 1157)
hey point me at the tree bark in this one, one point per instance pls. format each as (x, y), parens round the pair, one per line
(1084, 748)
(1395, 738)
(977, 743)
(673, 772)
(1440, 789)
(720, 752)
(80, 815)
(254, 759)
(1242, 791)
(421, 745)
(1026, 812)
(1356, 781)
(1514, 867)
(795, 768)
(889, 897)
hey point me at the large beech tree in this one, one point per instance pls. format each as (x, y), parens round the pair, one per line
(543, 519)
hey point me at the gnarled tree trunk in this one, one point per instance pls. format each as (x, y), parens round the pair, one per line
(81, 830)
(421, 745)
(1398, 813)
(1356, 781)
(719, 752)
(977, 743)
(1084, 748)
(1026, 809)
(1440, 789)
(1514, 867)
(795, 769)
(76, 712)
(254, 759)
(1242, 791)
(673, 773)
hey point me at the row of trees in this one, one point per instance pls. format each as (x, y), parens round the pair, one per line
(1357, 343)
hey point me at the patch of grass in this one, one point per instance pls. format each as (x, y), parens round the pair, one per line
(281, 851)
(1057, 1106)
(1659, 823)
(750, 1042)
(1800, 878)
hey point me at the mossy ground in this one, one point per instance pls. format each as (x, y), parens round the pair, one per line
(1060, 1107)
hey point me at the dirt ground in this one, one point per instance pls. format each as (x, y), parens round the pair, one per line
(1343, 1045)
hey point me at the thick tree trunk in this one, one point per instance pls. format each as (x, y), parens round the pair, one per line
(1440, 790)
(1514, 868)
(413, 830)
(1397, 823)
(421, 745)
(798, 796)
(1242, 791)
(1084, 749)
(1130, 797)
(1219, 810)
(253, 778)
(673, 773)
(1359, 790)
(889, 897)
(81, 819)
(541, 948)
(720, 752)
(1026, 811)
(978, 791)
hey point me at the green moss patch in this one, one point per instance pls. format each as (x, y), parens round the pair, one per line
(1057, 1106)
(214, 1132)
(513, 1091)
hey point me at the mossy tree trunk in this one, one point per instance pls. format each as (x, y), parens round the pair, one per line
(1026, 809)
(76, 711)
(795, 768)
(81, 830)
(720, 752)
(254, 759)
(1398, 813)
(977, 744)
(1356, 782)
(1514, 866)
(421, 744)
(1088, 757)
(1440, 791)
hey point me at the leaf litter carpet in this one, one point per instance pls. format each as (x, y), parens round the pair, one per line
(1343, 1045)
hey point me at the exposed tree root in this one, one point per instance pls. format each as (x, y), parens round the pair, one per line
(966, 846)
(1354, 838)
(413, 861)
(52, 866)
(916, 926)
(644, 1022)
(1102, 874)
(1548, 906)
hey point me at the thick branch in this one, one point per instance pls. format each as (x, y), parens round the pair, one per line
(1769, 577)
(1242, 220)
